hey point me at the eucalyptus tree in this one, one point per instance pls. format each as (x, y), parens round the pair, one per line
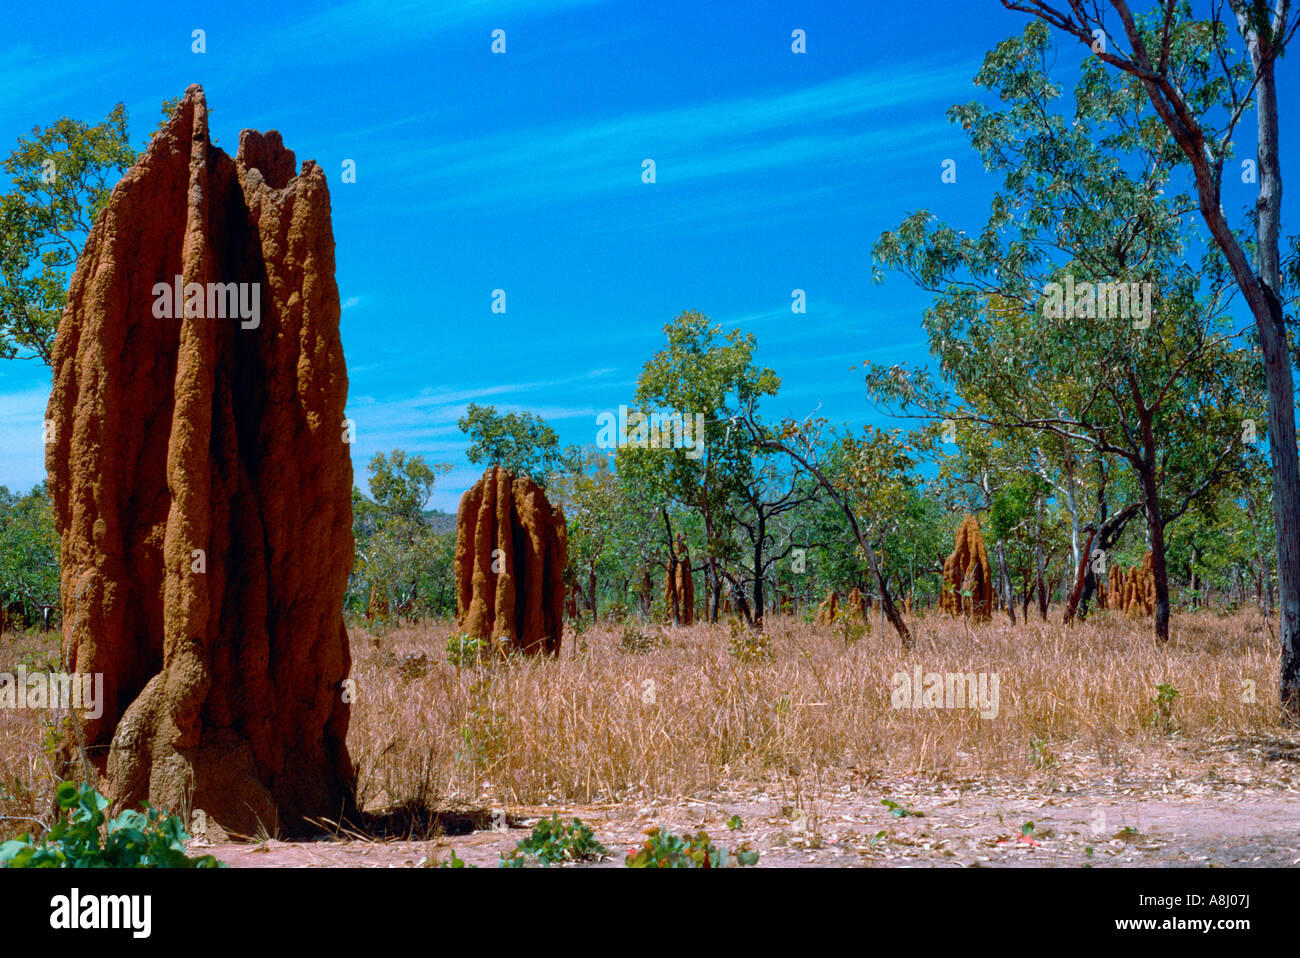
(864, 477)
(700, 382)
(1073, 312)
(770, 494)
(1200, 89)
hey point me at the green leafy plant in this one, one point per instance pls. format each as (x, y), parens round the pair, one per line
(1043, 756)
(734, 823)
(486, 732)
(454, 862)
(662, 849)
(900, 811)
(555, 843)
(1162, 707)
(83, 839)
(464, 649)
(850, 629)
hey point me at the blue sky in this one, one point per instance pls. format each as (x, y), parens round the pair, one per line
(522, 172)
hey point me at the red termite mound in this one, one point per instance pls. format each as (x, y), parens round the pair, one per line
(968, 581)
(202, 486)
(829, 609)
(511, 548)
(683, 586)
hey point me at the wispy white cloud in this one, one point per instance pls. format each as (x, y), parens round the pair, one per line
(826, 124)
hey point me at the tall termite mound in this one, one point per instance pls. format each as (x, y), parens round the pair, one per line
(511, 548)
(857, 605)
(829, 608)
(680, 585)
(966, 570)
(1140, 589)
(202, 485)
(1113, 589)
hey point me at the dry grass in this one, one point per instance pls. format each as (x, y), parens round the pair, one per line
(688, 715)
(593, 728)
(27, 778)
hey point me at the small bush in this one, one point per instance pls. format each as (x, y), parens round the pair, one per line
(146, 839)
(555, 843)
(1162, 706)
(454, 862)
(465, 649)
(662, 849)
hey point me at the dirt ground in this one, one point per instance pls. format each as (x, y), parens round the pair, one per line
(1233, 804)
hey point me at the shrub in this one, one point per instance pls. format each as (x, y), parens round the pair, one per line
(146, 839)
(465, 649)
(1162, 706)
(662, 849)
(554, 843)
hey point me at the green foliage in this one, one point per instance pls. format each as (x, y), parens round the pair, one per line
(634, 641)
(849, 627)
(401, 485)
(701, 371)
(82, 839)
(900, 811)
(1162, 705)
(464, 649)
(61, 179)
(454, 862)
(485, 734)
(29, 549)
(662, 849)
(1092, 191)
(1043, 756)
(522, 443)
(401, 556)
(555, 843)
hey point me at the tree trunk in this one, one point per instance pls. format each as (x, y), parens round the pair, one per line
(1004, 584)
(672, 568)
(1159, 569)
(1081, 582)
